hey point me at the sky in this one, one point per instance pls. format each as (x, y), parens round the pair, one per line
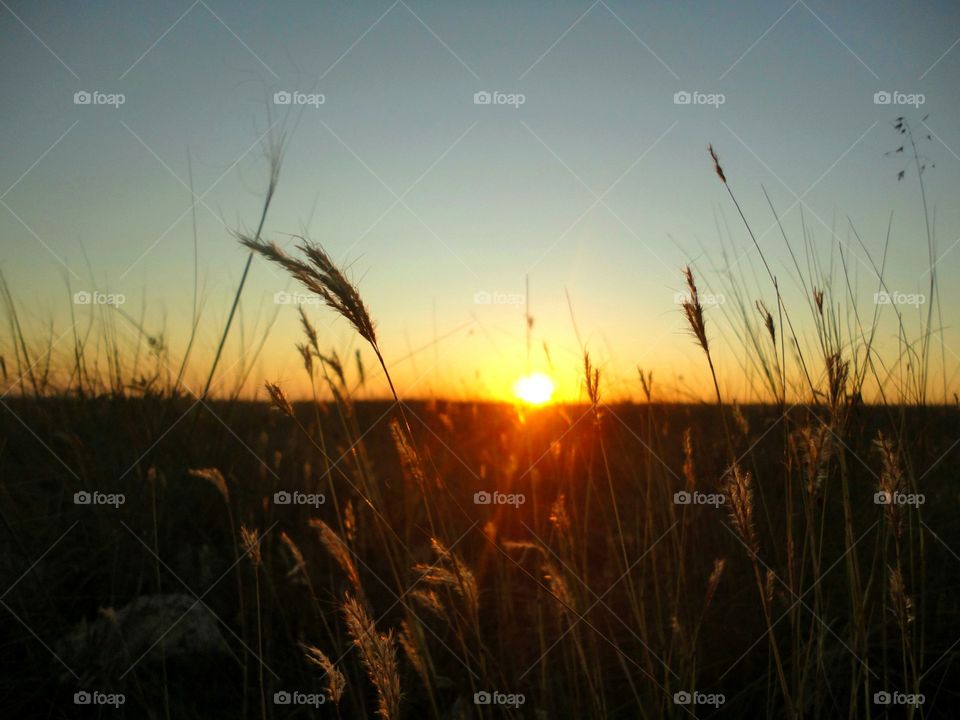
(586, 174)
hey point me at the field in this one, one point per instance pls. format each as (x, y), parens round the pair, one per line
(171, 555)
(598, 596)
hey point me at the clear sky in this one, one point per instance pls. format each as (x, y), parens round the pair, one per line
(598, 185)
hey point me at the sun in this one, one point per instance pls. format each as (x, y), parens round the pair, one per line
(534, 389)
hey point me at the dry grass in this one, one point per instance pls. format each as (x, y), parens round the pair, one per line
(321, 276)
(378, 654)
(601, 596)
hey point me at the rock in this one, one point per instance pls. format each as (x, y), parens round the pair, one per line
(151, 627)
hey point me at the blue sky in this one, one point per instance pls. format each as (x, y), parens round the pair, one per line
(598, 185)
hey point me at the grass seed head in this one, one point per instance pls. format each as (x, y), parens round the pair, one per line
(891, 480)
(410, 646)
(334, 681)
(740, 491)
(309, 330)
(716, 165)
(320, 275)
(767, 321)
(592, 376)
(215, 478)
(307, 354)
(379, 657)
(646, 382)
(299, 564)
(339, 551)
(250, 539)
(693, 311)
(451, 571)
(279, 399)
(714, 582)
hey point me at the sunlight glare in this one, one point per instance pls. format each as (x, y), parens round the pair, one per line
(534, 389)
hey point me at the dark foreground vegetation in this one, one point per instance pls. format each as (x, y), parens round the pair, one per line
(601, 594)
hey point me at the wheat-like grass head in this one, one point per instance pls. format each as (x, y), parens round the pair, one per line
(320, 275)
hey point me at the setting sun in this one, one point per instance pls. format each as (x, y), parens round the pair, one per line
(534, 389)
(520, 368)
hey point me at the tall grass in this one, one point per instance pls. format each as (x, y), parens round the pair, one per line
(796, 593)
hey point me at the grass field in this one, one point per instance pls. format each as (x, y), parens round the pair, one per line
(170, 555)
(598, 596)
